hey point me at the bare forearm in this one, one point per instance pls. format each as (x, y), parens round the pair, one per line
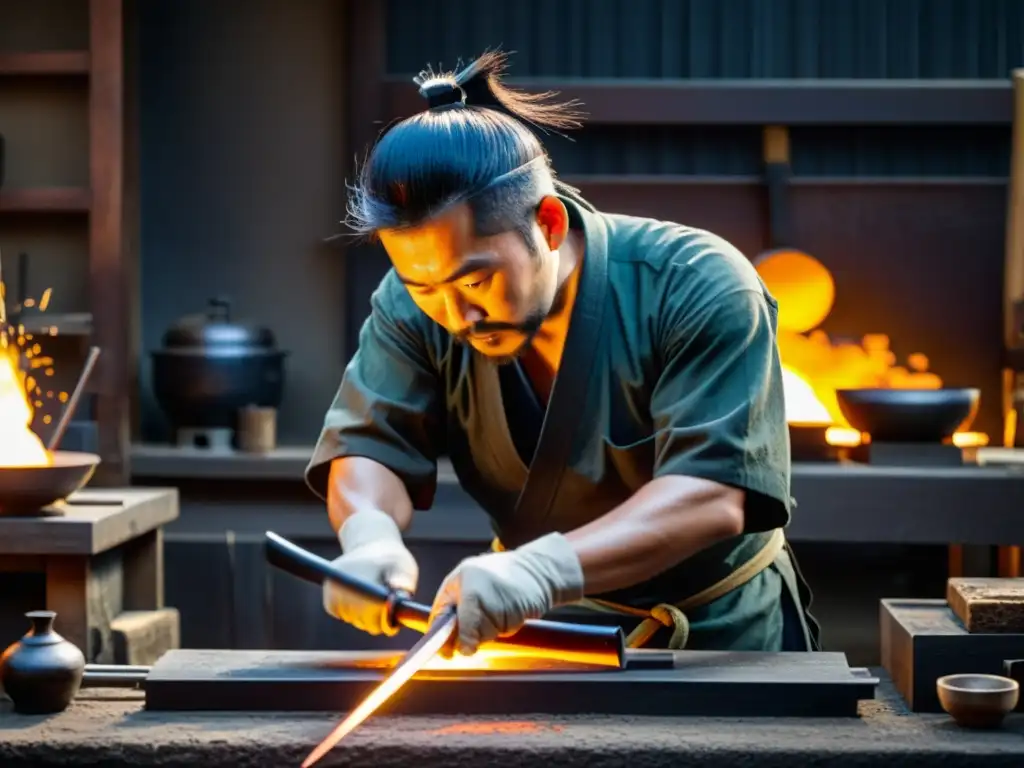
(357, 483)
(662, 524)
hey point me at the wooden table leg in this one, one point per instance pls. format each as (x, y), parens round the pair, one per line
(143, 562)
(67, 593)
(956, 561)
(1009, 562)
(87, 594)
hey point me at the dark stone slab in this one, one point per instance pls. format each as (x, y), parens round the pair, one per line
(922, 640)
(698, 683)
(120, 734)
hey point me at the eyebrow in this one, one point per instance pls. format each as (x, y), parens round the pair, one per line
(472, 264)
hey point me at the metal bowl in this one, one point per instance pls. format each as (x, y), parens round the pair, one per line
(909, 415)
(26, 490)
(978, 701)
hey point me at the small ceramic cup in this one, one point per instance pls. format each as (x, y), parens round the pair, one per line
(978, 701)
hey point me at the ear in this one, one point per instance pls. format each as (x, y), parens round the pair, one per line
(553, 220)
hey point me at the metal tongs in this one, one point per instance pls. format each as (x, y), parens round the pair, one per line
(596, 645)
(604, 646)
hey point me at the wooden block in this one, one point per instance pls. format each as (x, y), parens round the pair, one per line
(698, 683)
(922, 640)
(988, 604)
(140, 638)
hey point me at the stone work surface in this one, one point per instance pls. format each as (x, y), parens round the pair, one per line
(112, 729)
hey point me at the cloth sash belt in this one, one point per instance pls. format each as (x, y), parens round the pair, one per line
(674, 615)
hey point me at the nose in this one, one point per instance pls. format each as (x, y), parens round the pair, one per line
(460, 314)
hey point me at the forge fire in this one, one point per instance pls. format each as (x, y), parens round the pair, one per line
(814, 367)
(23, 367)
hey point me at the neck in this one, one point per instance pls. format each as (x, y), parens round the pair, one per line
(549, 342)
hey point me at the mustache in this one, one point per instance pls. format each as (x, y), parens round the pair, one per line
(483, 328)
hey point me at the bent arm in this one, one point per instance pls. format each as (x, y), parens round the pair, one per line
(662, 524)
(722, 458)
(357, 484)
(382, 434)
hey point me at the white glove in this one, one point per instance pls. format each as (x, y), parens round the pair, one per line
(373, 551)
(497, 592)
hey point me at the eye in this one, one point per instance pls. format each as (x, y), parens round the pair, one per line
(481, 283)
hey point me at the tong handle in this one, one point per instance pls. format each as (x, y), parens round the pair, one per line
(310, 567)
(603, 645)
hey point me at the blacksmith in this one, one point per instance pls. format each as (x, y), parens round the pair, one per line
(607, 388)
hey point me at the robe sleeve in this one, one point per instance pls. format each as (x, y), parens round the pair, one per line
(718, 408)
(387, 408)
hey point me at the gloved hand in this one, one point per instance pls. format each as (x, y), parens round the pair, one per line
(373, 550)
(497, 592)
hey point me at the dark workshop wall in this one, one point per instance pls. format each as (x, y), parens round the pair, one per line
(44, 121)
(716, 38)
(242, 153)
(243, 150)
(904, 254)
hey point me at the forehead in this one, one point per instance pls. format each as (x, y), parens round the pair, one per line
(431, 251)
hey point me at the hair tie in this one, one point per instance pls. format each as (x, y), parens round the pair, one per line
(442, 93)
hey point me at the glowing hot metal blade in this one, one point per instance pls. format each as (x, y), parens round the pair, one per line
(420, 654)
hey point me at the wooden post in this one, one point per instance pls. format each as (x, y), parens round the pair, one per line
(107, 264)
(1009, 557)
(366, 117)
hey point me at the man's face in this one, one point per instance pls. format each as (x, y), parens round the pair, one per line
(492, 293)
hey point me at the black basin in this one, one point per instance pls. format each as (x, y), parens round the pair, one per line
(909, 415)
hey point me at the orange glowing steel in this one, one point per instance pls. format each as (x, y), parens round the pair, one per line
(424, 650)
(508, 653)
(491, 660)
(814, 367)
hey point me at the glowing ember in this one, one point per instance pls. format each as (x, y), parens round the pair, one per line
(814, 367)
(514, 727)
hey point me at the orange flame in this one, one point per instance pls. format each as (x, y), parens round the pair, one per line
(814, 367)
(19, 445)
(20, 392)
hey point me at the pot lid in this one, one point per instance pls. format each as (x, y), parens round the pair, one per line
(214, 329)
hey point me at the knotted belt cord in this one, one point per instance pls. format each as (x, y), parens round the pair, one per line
(674, 616)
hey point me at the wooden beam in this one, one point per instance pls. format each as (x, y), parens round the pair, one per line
(366, 116)
(108, 287)
(45, 199)
(760, 102)
(45, 63)
(132, 214)
(635, 182)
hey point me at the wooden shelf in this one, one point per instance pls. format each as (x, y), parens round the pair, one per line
(45, 199)
(67, 324)
(45, 63)
(674, 102)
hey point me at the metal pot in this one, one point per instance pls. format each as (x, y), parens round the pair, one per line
(211, 367)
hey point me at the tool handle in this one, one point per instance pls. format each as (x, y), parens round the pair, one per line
(304, 564)
(596, 644)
